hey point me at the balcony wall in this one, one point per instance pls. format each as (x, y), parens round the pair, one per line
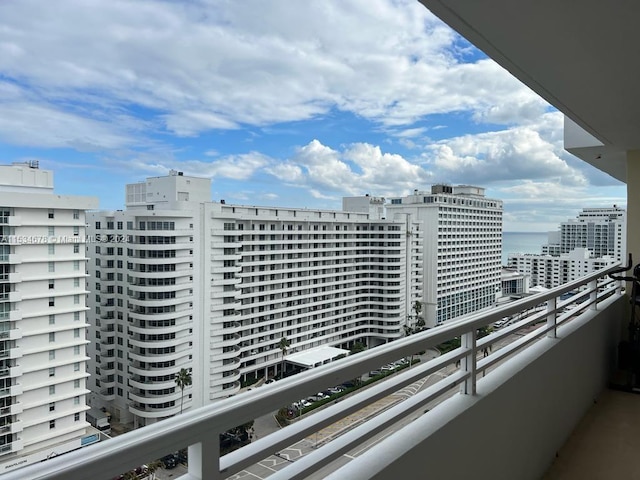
(523, 412)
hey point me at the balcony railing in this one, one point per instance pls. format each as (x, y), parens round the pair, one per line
(548, 327)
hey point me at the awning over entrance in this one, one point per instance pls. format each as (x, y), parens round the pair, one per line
(315, 356)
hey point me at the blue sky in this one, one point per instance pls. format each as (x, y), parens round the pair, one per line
(280, 103)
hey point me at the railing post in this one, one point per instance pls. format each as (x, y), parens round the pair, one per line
(204, 459)
(469, 362)
(552, 317)
(593, 297)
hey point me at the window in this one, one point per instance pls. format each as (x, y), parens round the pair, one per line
(76, 367)
(120, 392)
(52, 249)
(76, 231)
(76, 400)
(119, 224)
(76, 349)
(76, 316)
(52, 424)
(52, 267)
(76, 265)
(97, 225)
(76, 282)
(52, 389)
(52, 284)
(52, 354)
(76, 299)
(76, 383)
(52, 372)
(52, 302)
(76, 333)
(52, 406)
(52, 319)
(76, 248)
(76, 417)
(76, 214)
(51, 231)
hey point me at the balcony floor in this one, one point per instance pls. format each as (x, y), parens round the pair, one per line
(605, 444)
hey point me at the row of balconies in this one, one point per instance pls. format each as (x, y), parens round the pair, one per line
(11, 391)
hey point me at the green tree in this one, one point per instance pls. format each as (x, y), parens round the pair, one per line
(183, 379)
(357, 348)
(284, 346)
(152, 468)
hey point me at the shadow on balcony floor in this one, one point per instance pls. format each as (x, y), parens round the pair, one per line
(605, 444)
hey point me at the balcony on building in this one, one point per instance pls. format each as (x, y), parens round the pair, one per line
(525, 398)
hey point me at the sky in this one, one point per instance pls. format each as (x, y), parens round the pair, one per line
(280, 103)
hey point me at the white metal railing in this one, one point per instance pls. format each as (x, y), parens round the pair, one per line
(199, 429)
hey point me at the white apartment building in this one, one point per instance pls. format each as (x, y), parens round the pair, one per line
(460, 230)
(601, 230)
(43, 370)
(183, 282)
(514, 283)
(552, 271)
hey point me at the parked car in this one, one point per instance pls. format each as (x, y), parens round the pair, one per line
(337, 389)
(270, 381)
(501, 323)
(169, 461)
(374, 373)
(182, 456)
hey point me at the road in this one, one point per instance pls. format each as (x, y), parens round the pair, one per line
(268, 466)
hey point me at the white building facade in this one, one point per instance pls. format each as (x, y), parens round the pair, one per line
(43, 372)
(460, 231)
(552, 271)
(183, 282)
(601, 230)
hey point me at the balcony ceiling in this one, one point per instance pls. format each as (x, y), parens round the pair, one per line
(581, 56)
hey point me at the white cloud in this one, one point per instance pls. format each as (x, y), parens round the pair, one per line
(200, 66)
(233, 167)
(30, 124)
(523, 152)
(356, 169)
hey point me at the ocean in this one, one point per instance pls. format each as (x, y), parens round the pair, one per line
(522, 242)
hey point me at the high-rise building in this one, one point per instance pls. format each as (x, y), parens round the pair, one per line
(601, 230)
(594, 239)
(43, 370)
(183, 282)
(552, 271)
(460, 230)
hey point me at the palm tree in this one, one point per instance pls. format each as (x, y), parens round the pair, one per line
(284, 345)
(183, 379)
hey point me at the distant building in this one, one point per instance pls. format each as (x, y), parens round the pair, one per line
(374, 206)
(460, 231)
(551, 271)
(43, 374)
(601, 230)
(514, 283)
